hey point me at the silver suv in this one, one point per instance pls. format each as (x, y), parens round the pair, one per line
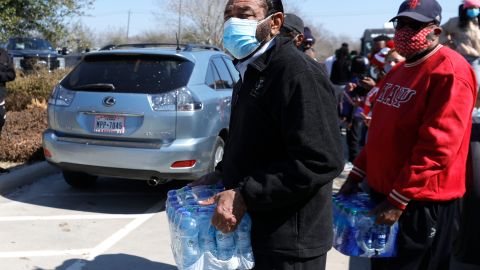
(147, 111)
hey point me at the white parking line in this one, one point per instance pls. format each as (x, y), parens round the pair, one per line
(44, 253)
(70, 217)
(116, 237)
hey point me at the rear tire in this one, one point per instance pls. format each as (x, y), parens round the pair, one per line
(218, 151)
(79, 179)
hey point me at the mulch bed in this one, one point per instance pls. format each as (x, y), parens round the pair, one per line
(21, 138)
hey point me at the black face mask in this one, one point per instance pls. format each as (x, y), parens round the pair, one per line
(304, 47)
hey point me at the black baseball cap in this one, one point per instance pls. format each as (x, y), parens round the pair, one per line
(293, 23)
(420, 10)
(308, 36)
(274, 6)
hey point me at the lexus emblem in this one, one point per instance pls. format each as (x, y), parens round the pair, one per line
(109, 101)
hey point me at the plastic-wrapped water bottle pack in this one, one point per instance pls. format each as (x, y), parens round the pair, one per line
(355, 233)
(195, 242)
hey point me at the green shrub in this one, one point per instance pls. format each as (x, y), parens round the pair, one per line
(28, 87)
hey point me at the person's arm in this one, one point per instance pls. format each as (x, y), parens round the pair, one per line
(7, 71)
(311, 136)
(358, 172)
(445, 123)
(356, 175)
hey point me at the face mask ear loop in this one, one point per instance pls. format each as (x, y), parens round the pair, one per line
(266, 18)
(262, 21)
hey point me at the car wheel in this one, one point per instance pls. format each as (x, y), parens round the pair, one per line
(217, 153)
(79, 179)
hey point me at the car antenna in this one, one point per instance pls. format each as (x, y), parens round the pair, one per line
(178, 43)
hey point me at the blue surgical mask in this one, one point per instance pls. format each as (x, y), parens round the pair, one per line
(239, 37)
(473, 12)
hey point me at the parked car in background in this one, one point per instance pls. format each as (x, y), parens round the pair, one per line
(30, 53)
(153, 113)
(366, 42)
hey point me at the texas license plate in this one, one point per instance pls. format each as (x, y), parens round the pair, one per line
(111, 124)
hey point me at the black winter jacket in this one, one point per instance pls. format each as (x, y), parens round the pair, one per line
(7, 72)
(284, 150)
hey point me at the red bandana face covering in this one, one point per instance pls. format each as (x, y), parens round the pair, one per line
(409, 42)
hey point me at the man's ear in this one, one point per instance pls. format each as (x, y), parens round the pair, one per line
(276, 23)
(299, 40)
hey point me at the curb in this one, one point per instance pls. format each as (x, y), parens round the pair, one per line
(25, 176)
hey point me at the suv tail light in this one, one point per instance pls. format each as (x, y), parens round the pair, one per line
(61, 96)
(183, 164)
(179, 100)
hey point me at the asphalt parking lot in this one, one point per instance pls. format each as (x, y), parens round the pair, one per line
(120, 224)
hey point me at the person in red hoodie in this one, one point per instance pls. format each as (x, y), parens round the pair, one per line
(415, 158)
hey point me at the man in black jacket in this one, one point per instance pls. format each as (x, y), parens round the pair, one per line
(7, 73)
(284, 147)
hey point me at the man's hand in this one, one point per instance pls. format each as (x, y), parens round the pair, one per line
(367, 83)
(349, 187)
(350, 87)
(366, 119)
(386, 213)
(229, 212)
(208, 179)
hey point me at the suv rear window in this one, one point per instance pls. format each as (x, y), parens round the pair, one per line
(146, 74)
(28, 44)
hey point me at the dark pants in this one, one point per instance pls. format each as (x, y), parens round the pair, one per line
(354, 135)
(280, 262)
(425, 237)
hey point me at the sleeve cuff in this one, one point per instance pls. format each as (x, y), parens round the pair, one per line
(398, 200)
(357, 174)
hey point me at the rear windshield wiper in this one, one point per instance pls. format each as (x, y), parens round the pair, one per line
(95, 86)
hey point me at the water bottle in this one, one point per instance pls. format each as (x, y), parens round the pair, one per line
(338, 224)
(356, 233)
(201, 193)
(171, 198)
(176, 235)
(171, 206)
(341, 224)
(335, 219)
(184, 194)
(366, 236)
(188, 235)
(206, 234)
(172, 193)
(196, 244)
(380, 235)
(350, 234)
(225, 245)
(243, 243)
(390, 246)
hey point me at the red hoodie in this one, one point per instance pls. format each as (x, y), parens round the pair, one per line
(420, 131)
